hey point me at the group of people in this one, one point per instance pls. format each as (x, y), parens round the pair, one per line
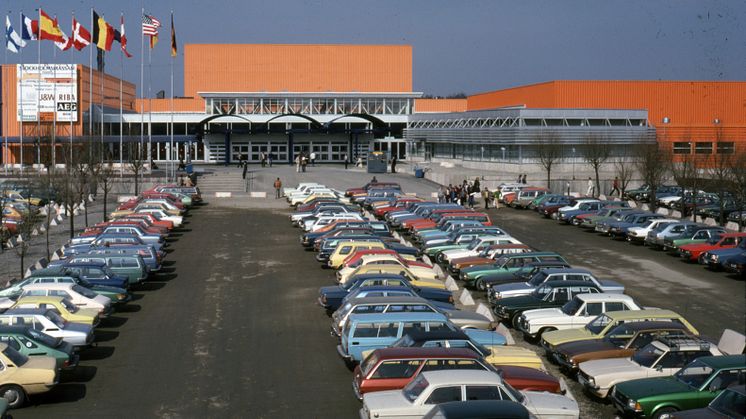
(464, 194)
(266, 159)
(302, 160)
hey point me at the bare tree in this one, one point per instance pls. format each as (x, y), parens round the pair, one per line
(26, 227)
(48, 182)
(596, 151)
(720, 170)
(136, 161)
(624, 170)
(549, 152)
(738, 176)
(67, 184)
(653, 162)
(106, 184)
(687, 172)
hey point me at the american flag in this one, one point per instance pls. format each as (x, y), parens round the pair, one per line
(150, 25)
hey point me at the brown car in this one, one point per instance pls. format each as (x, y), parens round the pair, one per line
(620, 342)
(497, 249)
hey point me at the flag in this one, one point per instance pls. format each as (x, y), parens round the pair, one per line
(13, 41)
(174, 50)
(123, 38)
(66, 42)
(81, 36)
(30, 28)
(103, 33)
(150, 27)
(48, 28)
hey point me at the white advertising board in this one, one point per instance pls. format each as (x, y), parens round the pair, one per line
(46, 92)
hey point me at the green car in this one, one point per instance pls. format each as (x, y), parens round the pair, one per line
(539, 199)
(507, 264)
(550, 295)
(122, 264)
(462, 241)
(694, 386)
(31, 342)
(605, 215)
(672, 244)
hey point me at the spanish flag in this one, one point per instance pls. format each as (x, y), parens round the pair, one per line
(103, 33)
(48, 28)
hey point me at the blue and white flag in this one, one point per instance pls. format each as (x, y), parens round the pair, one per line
(29, 29)
(12, 40)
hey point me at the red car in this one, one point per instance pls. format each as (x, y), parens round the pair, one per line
(370, 185)
(150, 218)
(692, 252)
(394, 368)
(400, 204)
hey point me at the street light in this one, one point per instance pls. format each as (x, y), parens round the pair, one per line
(503, 150)
(573, 163)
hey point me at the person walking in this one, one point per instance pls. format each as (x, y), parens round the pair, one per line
(524, 179)
(471, 199)
(313, 159)
(476, 184)
(393, 164)
(269, 159)
(591, 187)
(497, 198)
(441, 195)
(297, 163)
(519, 178)
(245, 168)
(347, 160)
(615, 186)
(262, 159)
(486, 197)
(303, 162)
(278, 188)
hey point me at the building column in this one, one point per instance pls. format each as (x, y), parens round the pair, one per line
(227, 154)
(290, 148)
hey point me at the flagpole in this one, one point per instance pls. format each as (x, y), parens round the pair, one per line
(90, 84)
(171, 154)
(6, 114)
(150, 103)
(20, 123)
(54, 103)
(75, 76)
(121, 76)
(38, 93)
(142, 96)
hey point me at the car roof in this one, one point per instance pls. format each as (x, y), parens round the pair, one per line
(419, 336)
(724, 361)
(573, 283)
(481, 409)
(456, 377)
(377, 317)
(635, 314)
(604, 297)
(46, 285)
(377, 276)
(13, 329)
(654, 325)
(25, 311)
(389, 300)
(567, 270)
(420, 352)
(39, 298)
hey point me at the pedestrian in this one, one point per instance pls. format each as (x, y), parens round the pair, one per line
(278, 187)
(591, 187)
(486, 197)
(615, 186)
(441, 195)
(524, 179)
(263, 159)
(476, 184)
(519, 178)
(393, 164)
(471, 198)
(347, 160)
(463, 197)
(188, 182)
(182, 166)
(359, 162)
(374, 180)
(303, 162)
(452, 193)
(297, 163)
(313, 159)
(269, 159)
(245, 168)
(497, 198)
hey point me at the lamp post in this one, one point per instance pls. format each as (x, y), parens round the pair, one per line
(573, 163)
(503, 150)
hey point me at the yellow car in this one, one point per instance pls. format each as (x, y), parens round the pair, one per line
(313, 196)
(16, 196)
(420, 272)
(22, 376)
(602, 324)
(346, 248)
(505, 355)
(10, 212)
(400, 270)
(63, 306)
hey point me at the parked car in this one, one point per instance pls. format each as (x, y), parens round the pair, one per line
(693, 386)
(639, 233)
(22, 376)
(737, 264)
(115, 295)
(76, 294)
(63, 306)
(692, 252)
(620, 342)
(507, 409)
(49, 322)
(701, 235)
(498, 292)
(32, 343)
(576, 313)
(433, 387)
(730, 403)
(717, 259)
(506, 264)
(620, 229)
(522, 274)
(657, 236)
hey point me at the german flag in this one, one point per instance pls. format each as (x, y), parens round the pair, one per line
(48, 28)
(174, 50)
(103, 33)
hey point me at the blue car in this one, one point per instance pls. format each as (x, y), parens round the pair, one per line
(95, 273)
(717, 259)
(619, 229)
(331, 297)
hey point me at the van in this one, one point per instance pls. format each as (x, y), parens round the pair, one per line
(366, 332)
(346, 248)
(127, 265)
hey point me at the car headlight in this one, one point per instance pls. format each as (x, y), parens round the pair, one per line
(498, 295)
(121, 296)
(632, 404)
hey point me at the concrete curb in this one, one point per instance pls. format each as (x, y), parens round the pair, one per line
(663, 211)
(676, 214)
(731, 225)
(223, 194)
(466, 299)
(451, 284)
(501, 329)
(438, 271)
(485, 311)
(258, 194)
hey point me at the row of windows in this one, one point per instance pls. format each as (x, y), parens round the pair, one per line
(308, 106)
(704, 147)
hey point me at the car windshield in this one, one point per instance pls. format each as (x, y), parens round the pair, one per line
(619, 336)
(501, 261)
(647, 223)
(538, 279)
(43, 338)
(413, 390)
(572, 306)
(647, 356)
(474, 243)
(369, 363)
(694, 374)
(85, 292)
(56, 319)
(515, 394)
(15, 357)
(69, 306)
(344, 310)
(730, 403)
(714, 239)
(541, 291)
(598, 324)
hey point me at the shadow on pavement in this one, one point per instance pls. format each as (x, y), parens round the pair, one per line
(106, 335)
(114, 321)
(129, 308)
(151, 286)
(62, 393)
(81, 374)
(96, 353)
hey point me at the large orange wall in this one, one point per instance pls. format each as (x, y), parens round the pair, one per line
(296, 68)
(439, 105)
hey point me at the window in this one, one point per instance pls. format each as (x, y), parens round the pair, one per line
(368, 309)
(36, 293)
(593, 309)
(444, 395)
(703, 147)
(682, 148)
(27, 343)
(366, 330)
(396, 369)
(724, 379)
(560, 295)
(438, 327)
(483, 393)
(726, 147)
(611, 306)
(413, 327)
(11, 342)
(452, 364)
(673, 360)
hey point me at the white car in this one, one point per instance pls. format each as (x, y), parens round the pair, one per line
(385, 259)
(575, 313)
(299, 199)
(77, 294)
(638, 233)
(314, 224)
(49, 322)
(577, 205)
(161, 215)
(301, 186)
(434, 387)
(660, 358)
(476, 247)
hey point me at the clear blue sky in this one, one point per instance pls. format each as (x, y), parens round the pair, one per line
(459, 45)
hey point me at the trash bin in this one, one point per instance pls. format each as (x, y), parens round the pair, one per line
(419, 173)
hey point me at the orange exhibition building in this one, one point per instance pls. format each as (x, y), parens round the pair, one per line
(339, 101)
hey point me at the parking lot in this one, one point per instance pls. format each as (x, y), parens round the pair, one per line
(231, 328)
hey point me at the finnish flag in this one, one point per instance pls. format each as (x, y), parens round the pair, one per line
(12, 40)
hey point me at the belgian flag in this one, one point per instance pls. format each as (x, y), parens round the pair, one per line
(103, 33)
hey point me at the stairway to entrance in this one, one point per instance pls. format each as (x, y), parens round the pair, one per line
(221, 179)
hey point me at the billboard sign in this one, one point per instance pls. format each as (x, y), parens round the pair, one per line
(47, 92)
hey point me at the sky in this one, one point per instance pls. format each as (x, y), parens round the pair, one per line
(459, 46)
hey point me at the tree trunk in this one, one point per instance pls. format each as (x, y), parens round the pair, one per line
(72, 220)
(23, 256)
(85, 211)
(106, 195)
(549, 177)
(598, 181)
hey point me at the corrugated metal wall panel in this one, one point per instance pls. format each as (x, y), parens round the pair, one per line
(185, 104)
(541, 95)
(297, 68)
(439, 105)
